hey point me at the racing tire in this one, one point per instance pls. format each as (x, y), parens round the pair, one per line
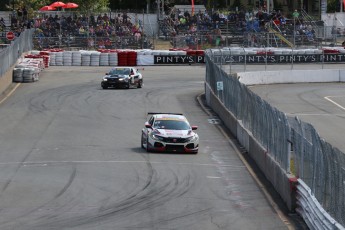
(140, 84)
(105, 87)
(142, 141)
(127, 86)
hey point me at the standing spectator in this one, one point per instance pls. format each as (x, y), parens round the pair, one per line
(2, 24)
(125, 17)
(295, 14)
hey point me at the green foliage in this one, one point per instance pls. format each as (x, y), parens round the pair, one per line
(92, 5)
(237, 3)
(333, 6)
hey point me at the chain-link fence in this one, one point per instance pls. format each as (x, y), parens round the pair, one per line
(294, 144)
(10, 54)
(294, 39)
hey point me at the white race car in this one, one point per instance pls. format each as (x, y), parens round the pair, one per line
(169, 132)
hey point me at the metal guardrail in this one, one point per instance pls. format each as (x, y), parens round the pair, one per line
(312, 212)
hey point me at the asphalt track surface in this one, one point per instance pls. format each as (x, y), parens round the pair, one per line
(320, 104)
(70, 158)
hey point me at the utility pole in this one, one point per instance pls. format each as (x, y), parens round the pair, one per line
(159, 9)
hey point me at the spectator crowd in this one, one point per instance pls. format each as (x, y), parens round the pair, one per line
(206, 27)
(101, 31)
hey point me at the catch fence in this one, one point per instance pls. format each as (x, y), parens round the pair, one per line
(10, 54)
(293, 144)
(92, 43)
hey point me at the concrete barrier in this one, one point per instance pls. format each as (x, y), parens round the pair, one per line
(291, 76)
(281, 181)
(6, 82)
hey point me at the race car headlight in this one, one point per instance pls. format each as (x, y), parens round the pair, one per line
(192, 138)
(105, 79)
(156, 137)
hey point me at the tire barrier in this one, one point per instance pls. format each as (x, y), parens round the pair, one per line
(226, 55)
(110, 57)
(28, 69)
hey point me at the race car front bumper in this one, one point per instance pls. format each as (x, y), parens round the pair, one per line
(158, 146)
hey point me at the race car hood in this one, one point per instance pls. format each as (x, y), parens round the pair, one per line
(173, 133)
(116, 76)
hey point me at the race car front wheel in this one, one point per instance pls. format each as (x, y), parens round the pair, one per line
(140, 84)
(144, 140)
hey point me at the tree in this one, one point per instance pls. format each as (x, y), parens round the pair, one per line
(333, 6)
(92, 5)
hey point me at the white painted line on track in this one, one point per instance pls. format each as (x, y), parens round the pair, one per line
(27, 163)
(328, 99)
(10, 93)
(213, 177)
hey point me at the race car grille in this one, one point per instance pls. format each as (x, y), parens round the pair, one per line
(179, 148)
(174, 140)
(113, 80)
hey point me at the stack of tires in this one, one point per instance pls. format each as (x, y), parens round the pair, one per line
(46, 58)
(122, 58)
(131, 58)
(17, 75)
(52, 56)
(76, 58)
(104, 59)
(30, 75)
(94, 61)
(85, 58)
(113, 58)
(59, 59)
(67, 58)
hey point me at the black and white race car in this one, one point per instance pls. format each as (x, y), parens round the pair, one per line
(122, 77)
(169, 132)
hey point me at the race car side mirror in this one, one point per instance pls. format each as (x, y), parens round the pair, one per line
(147, 125)
(194, 127)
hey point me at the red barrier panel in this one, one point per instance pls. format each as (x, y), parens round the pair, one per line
(200, 52)
(331, 51)
(191, 52)
(122, 58)
(132, 58)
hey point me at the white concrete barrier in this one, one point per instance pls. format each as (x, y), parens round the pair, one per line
(291, 76)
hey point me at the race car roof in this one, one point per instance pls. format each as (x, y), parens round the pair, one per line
(170, 117)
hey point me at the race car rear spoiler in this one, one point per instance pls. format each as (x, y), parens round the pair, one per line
(151, 113)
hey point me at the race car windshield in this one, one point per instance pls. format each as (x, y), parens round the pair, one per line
(119, 72)
(171, 124)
